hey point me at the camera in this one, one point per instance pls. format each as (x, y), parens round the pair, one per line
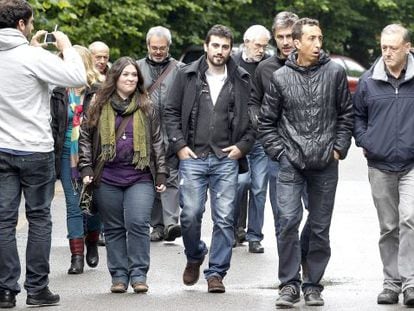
(49, 38)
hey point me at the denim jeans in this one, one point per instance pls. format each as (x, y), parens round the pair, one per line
(273, 171)
(321, 185)
(166, 209)
(126, 215)
(220, 177)
(258, 162)
(76, 221)
(393, 194)
(34, 175)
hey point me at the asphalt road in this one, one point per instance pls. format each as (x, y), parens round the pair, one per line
(352, 280)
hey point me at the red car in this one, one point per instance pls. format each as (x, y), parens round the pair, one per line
(353, 70)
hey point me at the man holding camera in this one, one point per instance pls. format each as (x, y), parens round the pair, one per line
(26, 147)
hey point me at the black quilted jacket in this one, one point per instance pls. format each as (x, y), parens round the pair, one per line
(307, 113)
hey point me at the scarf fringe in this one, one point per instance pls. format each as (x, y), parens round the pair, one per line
(139, 161)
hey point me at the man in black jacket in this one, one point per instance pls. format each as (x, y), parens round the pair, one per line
(384, 127)
(209, 131)
(306, 124)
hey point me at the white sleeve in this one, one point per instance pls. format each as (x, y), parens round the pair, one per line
(69, 72)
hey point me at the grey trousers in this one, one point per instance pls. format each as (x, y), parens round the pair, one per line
(393, 195)
(166, 208)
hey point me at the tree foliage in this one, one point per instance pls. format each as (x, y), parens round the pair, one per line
(349, 27)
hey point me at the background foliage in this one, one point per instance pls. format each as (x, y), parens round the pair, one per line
(349, 27)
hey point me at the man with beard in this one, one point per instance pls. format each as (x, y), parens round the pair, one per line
(305, 123)
(159, 70)
(209, 134)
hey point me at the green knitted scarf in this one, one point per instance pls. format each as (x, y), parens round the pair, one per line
(107, 132)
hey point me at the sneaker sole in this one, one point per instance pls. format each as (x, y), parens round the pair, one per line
(41, 303)
(387, 302)
(314, 303)
(286, 304)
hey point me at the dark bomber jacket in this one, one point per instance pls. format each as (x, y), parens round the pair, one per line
(307, 113)
(384, 118)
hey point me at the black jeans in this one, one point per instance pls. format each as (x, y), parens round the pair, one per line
(321, 186)
(34, 175)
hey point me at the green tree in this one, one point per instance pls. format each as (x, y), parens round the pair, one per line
(350, 27)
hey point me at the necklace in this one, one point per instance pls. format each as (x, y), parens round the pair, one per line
(123, 136)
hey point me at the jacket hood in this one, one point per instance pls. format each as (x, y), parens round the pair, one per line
(292, 61)
(11, 38)
(379, 73)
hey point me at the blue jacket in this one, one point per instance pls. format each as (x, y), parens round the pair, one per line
(384, 118)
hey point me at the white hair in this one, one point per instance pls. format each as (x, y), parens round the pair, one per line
(256, 31)
(159, 31)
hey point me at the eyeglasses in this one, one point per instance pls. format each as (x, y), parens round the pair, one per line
(159, 48)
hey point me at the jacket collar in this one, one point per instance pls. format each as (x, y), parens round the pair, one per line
(292, 61)
(379, 73)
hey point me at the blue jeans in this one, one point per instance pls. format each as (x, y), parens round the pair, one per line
(321, 186)
(126, 215)
(75, 219)
(258, 162)
(220, 176)
(34, 175)
(273, 171)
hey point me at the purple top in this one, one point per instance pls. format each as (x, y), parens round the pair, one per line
(121, 171)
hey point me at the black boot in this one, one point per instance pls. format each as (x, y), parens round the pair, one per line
(92, 255)
(77, 260)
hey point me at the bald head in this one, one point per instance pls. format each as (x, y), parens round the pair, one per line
(100, 54)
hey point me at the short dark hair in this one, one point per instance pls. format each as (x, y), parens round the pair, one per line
(219, 31)
(298, 26)
(11, 11)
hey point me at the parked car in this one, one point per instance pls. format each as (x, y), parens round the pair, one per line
(353, 69)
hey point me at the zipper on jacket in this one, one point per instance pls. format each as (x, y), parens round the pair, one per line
(396, 91)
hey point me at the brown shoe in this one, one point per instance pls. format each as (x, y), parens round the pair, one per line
(140, 287)
(192, 272)
(118, 288)
(215, 285)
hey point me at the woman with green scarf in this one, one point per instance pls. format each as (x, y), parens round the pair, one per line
(134, 169)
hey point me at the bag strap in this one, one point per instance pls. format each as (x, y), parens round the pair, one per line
(161, 78)
(119, 131)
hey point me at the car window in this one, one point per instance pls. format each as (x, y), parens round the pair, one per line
(340, 62)
(354, 69)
